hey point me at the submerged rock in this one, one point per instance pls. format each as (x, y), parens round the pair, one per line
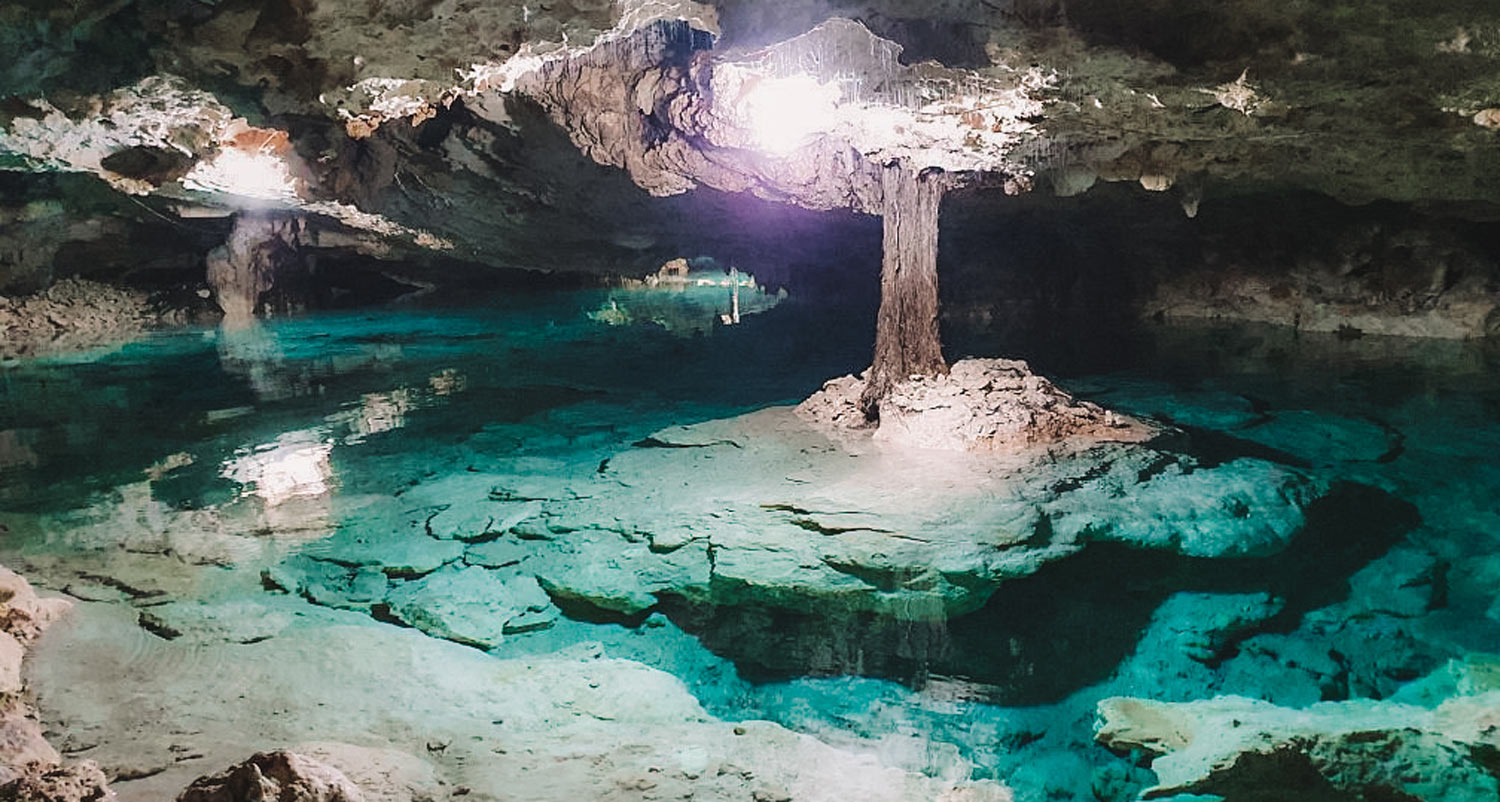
(282, 776)
(471, 606)
(232, 621)
(768, 509)
(1366, 749)
(432, 718)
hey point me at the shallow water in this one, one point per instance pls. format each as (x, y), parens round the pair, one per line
(286, 437)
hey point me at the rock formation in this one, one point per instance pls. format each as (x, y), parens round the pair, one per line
(915, 534)
(1325, 167)
(1245, 748)
(375, 129)
(907, 344)
(244, 268)
(992, 405)
(283, 776)
(31, 770)
(75, 313)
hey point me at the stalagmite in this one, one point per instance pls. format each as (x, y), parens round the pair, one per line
(906, 330)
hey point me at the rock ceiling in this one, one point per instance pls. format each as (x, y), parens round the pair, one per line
(404, 126)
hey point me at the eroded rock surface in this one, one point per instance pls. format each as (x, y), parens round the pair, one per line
(31, 770)
(770, 509)
(1232, 746)
(433, 720)
(283, 776)
(72, 314)
(982, 405)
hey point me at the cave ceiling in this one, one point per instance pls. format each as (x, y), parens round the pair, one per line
(606, 134)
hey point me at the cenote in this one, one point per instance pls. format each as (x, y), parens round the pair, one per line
(799, 402)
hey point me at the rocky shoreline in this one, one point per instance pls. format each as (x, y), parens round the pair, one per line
(75, 314)
(31, 770)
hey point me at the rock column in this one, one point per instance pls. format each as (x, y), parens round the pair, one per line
(245, 266)
(906, 330)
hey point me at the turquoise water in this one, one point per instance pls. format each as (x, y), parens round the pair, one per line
(1399, 577)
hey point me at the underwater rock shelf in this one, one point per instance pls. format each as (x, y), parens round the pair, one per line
(404, 717)
(768, 509)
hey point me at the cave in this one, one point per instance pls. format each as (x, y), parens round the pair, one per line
(976, 401)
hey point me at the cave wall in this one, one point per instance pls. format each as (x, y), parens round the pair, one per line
(1105, 262)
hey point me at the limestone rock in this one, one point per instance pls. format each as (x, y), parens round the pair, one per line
(382, 775)
(744, 511)
(980, 405)
(11, 654)
(608, 572)
(79, 782)
(22, 745)
(1231, 745)
(484, 520)
(22, 613)
(1244, 507)
(558, 727)
(1354, 279)
(73, 313)
(471, 605)
(399, 555)
(283, 776)
(31, 769)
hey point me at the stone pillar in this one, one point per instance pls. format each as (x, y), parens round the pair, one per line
(245, 266)
(906, 329)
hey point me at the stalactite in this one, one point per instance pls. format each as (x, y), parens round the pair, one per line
(907, 341)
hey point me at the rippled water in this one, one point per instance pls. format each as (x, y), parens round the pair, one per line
(299, 424)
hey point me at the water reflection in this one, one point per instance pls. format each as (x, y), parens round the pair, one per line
(377, 413)
(258, 355)
(295, 465)
(253, 353)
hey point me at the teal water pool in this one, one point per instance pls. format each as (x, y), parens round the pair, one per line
(485, 476)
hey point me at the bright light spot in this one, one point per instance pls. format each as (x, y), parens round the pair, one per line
(264, 176)
(295, 466)
(785, 112)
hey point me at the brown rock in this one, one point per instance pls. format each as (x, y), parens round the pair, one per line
(22, 613)
(22, 747)
(991, 405)
(11, 653)
(80, 782)
(281, 776)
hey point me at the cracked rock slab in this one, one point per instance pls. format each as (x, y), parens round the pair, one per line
(472, 606)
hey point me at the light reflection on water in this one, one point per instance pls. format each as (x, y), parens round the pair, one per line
(294, 465)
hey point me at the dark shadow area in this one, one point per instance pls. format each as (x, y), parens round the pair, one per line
(1287, 774)
(1068, 626)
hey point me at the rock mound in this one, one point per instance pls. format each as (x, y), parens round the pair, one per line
(987, 405)
(73, 313)
(281, 775)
